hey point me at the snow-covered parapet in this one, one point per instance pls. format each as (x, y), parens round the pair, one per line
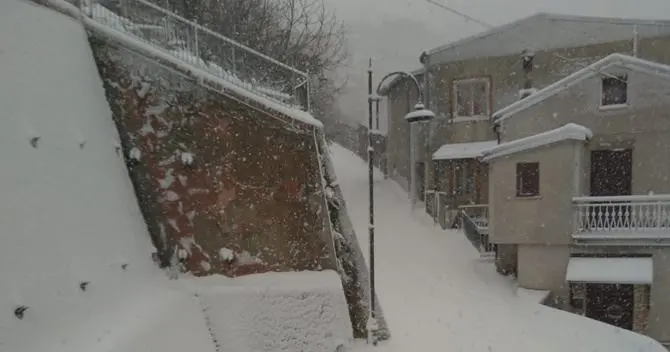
(299, 311)
(570, 131)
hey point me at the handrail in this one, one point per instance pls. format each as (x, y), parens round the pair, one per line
(205, 49)
(633, 198)
(226, 39)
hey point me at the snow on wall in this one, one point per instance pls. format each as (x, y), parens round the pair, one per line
(216, 174)
(74, 244)
(303, 311)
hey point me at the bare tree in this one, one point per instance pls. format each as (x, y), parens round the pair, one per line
(300, 33)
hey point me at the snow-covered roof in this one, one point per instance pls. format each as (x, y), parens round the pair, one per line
(567, 132)
(620, 60)
(463, 150)
(637, 271)
(546, 31)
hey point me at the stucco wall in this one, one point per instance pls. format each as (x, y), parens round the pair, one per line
(644, 126)
(544, 219)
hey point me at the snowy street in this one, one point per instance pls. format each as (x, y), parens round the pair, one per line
(436, 292)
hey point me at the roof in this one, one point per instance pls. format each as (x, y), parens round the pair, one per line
(570, 131)
(463, 150)
(546, 31)
(620, 60)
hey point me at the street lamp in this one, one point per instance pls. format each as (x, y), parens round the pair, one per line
(419, 114)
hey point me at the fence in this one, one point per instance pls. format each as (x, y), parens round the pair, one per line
(204, 49)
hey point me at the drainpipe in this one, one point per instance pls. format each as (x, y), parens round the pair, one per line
(496, 130)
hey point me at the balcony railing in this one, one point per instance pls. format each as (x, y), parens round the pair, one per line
(622, 214)
(479, 213)
(203, 49)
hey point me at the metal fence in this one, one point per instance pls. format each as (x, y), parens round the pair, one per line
(203, 49)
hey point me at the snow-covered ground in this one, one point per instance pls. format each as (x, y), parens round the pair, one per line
(438, 295)
(76, 272)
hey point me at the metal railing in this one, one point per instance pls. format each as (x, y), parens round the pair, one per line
(476, 234)
(204, 49)
(479, 213)
(642, 213)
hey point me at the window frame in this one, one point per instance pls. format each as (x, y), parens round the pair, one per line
(610, 77)
(521, 170)
(471, 82)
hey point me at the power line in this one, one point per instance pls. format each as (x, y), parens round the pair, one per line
(490, 26)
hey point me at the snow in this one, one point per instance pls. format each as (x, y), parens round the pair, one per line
(637, 271)
(463, 150)
(304, 311)
(69, 214)
(438, 295)
(569, 131)
(419, 115)
(75, 249)
(613, 60)
(202, 73)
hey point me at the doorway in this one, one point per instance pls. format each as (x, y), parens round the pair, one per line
(611, 304)
(612, 172)
(421, 180)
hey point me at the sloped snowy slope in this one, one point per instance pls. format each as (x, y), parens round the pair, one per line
(74, 249)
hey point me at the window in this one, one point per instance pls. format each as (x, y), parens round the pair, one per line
(472, 97)
(614, 90)
(527, 179)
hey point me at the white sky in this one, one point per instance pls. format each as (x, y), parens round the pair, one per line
(394, 32)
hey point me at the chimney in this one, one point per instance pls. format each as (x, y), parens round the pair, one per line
(527, 57)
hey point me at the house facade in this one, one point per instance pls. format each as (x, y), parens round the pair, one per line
(469, 79)
(579, 190)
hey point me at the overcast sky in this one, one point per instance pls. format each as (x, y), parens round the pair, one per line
(395, 32)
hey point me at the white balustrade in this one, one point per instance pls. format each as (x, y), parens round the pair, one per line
(641, 213)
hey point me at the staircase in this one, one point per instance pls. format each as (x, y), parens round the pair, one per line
(200, 49)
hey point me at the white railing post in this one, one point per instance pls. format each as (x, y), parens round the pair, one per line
(659, 220)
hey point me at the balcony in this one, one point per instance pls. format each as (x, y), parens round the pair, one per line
(622, 220)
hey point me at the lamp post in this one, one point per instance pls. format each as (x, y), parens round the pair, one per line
(419, 114)
(371, 325)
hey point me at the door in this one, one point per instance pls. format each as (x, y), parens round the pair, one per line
(421, 180)
(611, 172)
(611, 175)
(611, 304)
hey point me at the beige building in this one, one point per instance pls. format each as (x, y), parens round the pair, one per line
(579, 192)
(471, 78)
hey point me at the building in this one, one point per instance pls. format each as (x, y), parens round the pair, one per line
(472, 77)
(579, 192)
